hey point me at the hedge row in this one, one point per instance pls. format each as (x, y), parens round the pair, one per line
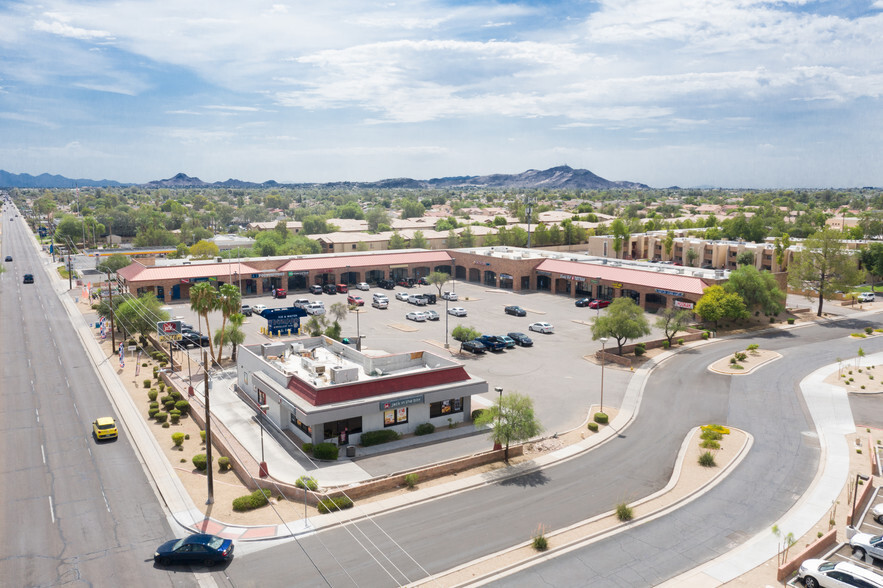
(326, 451)
(256, 499)
(370, 438)
(331, 504)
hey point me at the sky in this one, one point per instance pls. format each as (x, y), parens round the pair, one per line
(729, 93)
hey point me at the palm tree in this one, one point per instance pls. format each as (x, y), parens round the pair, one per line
(229, 303)
(203, 300)
(233, 332)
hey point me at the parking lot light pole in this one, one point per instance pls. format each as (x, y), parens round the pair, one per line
(446, 324)
(603, 342)
(855, 494)
(262, 468)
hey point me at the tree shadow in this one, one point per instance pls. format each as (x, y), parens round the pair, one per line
(531, 480)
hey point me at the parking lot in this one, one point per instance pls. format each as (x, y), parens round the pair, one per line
(553, 371)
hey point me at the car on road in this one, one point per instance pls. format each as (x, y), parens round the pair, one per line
(362, 286)
(315, 289)
(402, 296)
(541, 327)
(357, 300)
(598, 303)
(866, 544)
(380, 303)
(582, 302)
(474, 346)
(200, 548)
(818, 573)
(508, 341)
(866, 297)
(521, 339)
(457, 311)
(245, 310)
(8, 258)
(280, 293)
(29, 278)
(259, 309)
(104, 428)
(492, 342)
(431, 315)
(515, 311)
(418, 316)
(449, 296)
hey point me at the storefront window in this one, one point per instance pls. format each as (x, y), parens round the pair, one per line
(398, 416)
(445, 407)
(301, 425)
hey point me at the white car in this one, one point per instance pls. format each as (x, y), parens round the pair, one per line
(380, 303)
(866, 544)
(877, 513)
(417, 299)
(402, 296)
(315, 309)
(431, 315)
(457, 311)
(818, 573)
(362, 286)
(866, 297)
(541, 327)
(418, 316)
(451, 296)
(259, 308)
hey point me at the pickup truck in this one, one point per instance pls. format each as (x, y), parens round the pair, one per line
(492, 342)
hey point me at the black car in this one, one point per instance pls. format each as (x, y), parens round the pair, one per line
(194, 339)
(29, 279)
(315, 289)
(474, 346)
(521, 339)
(201, 548)
(515, 311)
(330, 289)
(582, 302)
(386, 284)
(8, 258)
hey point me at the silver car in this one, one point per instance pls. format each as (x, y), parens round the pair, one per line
(818, 573)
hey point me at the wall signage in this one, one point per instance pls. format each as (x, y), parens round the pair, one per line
(401, 402)
(668, 292)
(681, 304)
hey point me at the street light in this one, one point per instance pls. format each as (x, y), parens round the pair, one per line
(446, 323)
(262, 468)
(855, 494)
(603, 342)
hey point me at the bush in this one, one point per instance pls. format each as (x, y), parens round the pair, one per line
(712, 434)
(639, 351)
(476, 413)
(308, 448)
(370, 438)
(411, 480)
(165, 398)
(733, 361)
(752, 347)
(540, 543)
(791, 320)
(174, 416)
(152, 394)
(717, 428)
(593, 426)
(183, 406)
(146, 384)
(424, 429)
(331, 504)
(169, 406)
(706, 460)
(175, 394)
(200, 462)
(202, 436)
(666, 344)
(187, 436)
(144, 364)
(705, 335)
(869, 330)
(161, 416)
(740, 356)
(624, 512)
(165, 425)
(162, 386)
(152, 412)
(223, 463)
(178, 439)
(709, 444)
(256, 499)
(681, 341)
(154, 404)
(307, 482)
(326, 451)
(601, 418)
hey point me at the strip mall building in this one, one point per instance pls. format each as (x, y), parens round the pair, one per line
(650, 285)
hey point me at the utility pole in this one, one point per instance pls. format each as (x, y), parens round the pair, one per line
(113, 341)
(208, 431)
(529, 205)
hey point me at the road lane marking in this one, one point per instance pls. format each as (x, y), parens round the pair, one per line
(51, 510)
(38, 414)
(76, 410)
(106, 503)
(43, 451)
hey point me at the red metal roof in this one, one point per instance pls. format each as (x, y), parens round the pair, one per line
(649, 279)
(340, 262)
(135, 272)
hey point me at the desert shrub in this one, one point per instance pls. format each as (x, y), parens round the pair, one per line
(593, 426)
(601, 418)
(152, 394)
(869, 330)
(146, 384)
(165, 425)
(161, 416)
(202, 436)
(476, 413)
(717, 428)
(624, 512)
(308, 448)
(169, 406)
(152, 412)
(154, 404)
(738, 367)
(712, 434)
(540, 543)
(791, 320)
(331, 504)
(740, 356)
(666, 344)
(256, 499)
(200, 462)
(326, 451)
(706, 335)
(411, 480)
(752, 347)
(706, 460)
(639, 351)
(307, 482)
(424, 429)
(223, 463)
(681, 341)
(859, 452)
(183, 406)
(370, 438)
(709, 444)
(175, 394)
(733, 361)
(174, 416)
(863, 386)
(162, 386)
(144, 364)
(178, 439)
(187, 436)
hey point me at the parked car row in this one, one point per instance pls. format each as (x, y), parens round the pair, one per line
(422, 315)
(497, 342)
(592, 303)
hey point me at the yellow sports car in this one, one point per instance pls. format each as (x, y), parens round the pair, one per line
(104, 428)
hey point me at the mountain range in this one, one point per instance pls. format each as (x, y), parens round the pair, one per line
(561, 177)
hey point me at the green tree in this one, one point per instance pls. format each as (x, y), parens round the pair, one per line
(418, 241)
(113, 263)
(512, 419)
(624, 320)
(204, 299)
(621, 235)
(463, 334)
(376, 218)
(467, 238)
(673, 320)
(69, 227)
(781, 245)
(140, 315)
(204, 250)
(396, 241)
(716, 304)
(759, 290)
(745, 258)
(412, 209)
(438, 279)
(872, 261)
(232, 335)
(668, 243)
(692, 255)
(453, 240)
(823, 266)
(229, 302)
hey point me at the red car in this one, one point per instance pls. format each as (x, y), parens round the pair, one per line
(279, 293)
(357, 300)
(599, 303)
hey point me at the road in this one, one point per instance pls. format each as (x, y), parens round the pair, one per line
(74, 511)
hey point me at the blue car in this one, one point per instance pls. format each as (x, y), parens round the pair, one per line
(196, 549)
